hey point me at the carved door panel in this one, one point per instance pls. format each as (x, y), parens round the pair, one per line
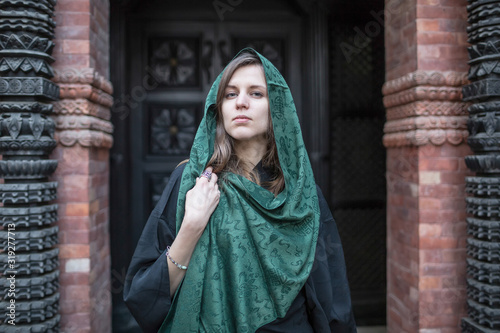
(172, 66)
(171, 73)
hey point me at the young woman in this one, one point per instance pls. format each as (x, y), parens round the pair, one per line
(242, 239)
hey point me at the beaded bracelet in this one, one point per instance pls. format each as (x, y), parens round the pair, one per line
(173, 261)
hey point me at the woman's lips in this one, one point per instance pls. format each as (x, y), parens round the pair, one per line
(241, 119)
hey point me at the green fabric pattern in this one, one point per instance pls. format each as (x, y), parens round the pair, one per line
(257, 250)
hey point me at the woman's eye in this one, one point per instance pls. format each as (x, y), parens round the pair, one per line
(231, 94)
(258, 94)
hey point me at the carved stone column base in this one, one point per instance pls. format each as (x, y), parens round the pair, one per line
(469, 326)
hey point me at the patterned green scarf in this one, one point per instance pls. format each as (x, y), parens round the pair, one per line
(257, 250)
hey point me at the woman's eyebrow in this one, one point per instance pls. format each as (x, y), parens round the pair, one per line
(229, 86)
(257, 86)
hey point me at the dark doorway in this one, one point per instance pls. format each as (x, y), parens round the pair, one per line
(164, 57)
(357, 155)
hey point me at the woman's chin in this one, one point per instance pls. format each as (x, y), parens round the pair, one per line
(249, 139)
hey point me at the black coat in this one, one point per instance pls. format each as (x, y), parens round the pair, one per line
(323, 304)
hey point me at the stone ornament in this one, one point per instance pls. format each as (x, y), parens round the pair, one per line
(483, 202)
(28, 237)
(27, 218)
(83, 113)
(425, 107)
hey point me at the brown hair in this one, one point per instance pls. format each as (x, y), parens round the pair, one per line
(224, 159)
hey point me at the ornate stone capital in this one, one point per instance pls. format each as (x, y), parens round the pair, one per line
(83, 113)
(424, 78)
(418, 131)
(85, 138)
(81, 106)
(425, 108)
(87, 76)
(78, 122)
(84, 130)
(424, 137)
(86, 91)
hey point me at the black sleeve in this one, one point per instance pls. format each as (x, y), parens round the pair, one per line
(147, 285)
(327, 289)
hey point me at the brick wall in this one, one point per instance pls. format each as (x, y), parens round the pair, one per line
(425, 136)
(425, 35)
(441, 35)
(402, 239)
(83, 132)
(99, 36)
(442, 237)
(84, 239)
(426, 238)
(400, 35)
(82, 34)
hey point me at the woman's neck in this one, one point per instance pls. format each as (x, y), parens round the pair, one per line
(249, 153)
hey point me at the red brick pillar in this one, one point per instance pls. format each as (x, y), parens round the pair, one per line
(83, 132)
(425, 136)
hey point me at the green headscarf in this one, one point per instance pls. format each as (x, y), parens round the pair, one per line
(257, 250)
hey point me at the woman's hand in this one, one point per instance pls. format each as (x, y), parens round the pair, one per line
(201, 202)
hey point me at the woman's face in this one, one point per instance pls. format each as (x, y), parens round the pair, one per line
(245, 107)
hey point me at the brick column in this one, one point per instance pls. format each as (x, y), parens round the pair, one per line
(425, 136)
(83, 132)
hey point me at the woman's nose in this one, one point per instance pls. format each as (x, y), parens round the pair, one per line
(242, 101)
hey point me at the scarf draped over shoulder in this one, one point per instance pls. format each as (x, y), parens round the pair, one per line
(257, 250)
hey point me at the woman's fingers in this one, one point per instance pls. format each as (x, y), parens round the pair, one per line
(207, 177)
(214, 178)
(202, 200)
(206, 185)
(207, 174)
